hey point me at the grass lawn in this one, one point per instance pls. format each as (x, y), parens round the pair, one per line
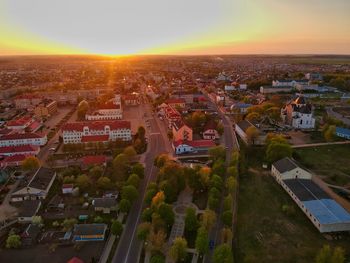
(331, 162)
(266, 233)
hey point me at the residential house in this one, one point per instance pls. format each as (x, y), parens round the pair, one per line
(210, 131)
(105, 205)
(67, 188)
(89, 232)
(241, 130)
(182, 147)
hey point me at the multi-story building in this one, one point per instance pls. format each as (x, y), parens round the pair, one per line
(298, 114)
(16, 139)
(181, 131)
(28, 150)
(46, 108)
(291, 83)
(109, 111)
(176, 103)
(26, 101)
(20, 123)
(97, 131)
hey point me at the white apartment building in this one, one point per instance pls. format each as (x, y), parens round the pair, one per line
(17, 139)
(97, 131)
(109, 111)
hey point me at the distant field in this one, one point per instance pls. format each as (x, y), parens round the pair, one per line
(266, 233)
(331, 162)
(320, 60)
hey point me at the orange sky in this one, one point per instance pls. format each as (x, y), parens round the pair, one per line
(119, 27)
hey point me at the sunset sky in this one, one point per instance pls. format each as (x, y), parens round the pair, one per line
(124, 27)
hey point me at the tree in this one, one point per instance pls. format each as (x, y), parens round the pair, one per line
(167, 214)
(329, 134)
(252, 134)
(178, 250)
(13, 241)
(149, 196)
(276, 151)
(130, 152)
(133, 180)
(228, 202)
(116, 228)
(157, 239)
(161, 160)
(96, 172)
(191, 221)
(143, 230)
(158, 199)
(338, 255)
(120, 165)
(130, 193)
(202, 241)
(217, 152)
(103, 183)
(219, 167)
(325, 255)
(253, 116)
(216, 182)
(141, 132)
(124, 205)
(232, 171)
(208, 219)
(37, 220)
(226, 235)
(30, 163)
(213, 202)
(147, 214)
(157, 258)
(83, 107)
(231, 184)
(223, 254)
(139, 170)
(227, 217)
(83, 182)
(68, 223)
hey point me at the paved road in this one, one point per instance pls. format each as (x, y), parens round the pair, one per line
(231, 143)
(129, 247)
(319, 144)
(337, 115)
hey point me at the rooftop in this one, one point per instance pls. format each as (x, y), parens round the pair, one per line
(284, 165)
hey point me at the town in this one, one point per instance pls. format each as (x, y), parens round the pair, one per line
(174, 158)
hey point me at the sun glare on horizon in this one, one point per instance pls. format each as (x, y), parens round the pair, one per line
(119, 28)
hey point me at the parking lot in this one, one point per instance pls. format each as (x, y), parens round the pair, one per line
(135, 114)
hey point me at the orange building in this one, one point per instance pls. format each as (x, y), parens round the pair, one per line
(181, 131)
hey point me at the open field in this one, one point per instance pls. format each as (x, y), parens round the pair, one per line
(320, 60)
(330, 162)
(266, 233)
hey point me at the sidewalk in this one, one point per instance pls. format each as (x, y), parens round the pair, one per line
(319, 144)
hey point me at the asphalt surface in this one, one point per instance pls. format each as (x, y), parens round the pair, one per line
(129, 247)
(231, 144)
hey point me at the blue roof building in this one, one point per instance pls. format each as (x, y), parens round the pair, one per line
(343, 132)
(323, 211)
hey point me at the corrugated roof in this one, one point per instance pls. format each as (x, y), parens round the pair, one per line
(284, 165)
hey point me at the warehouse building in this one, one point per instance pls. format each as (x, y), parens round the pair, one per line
(323, 211)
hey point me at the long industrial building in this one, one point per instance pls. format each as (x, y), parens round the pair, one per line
(323, 211)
